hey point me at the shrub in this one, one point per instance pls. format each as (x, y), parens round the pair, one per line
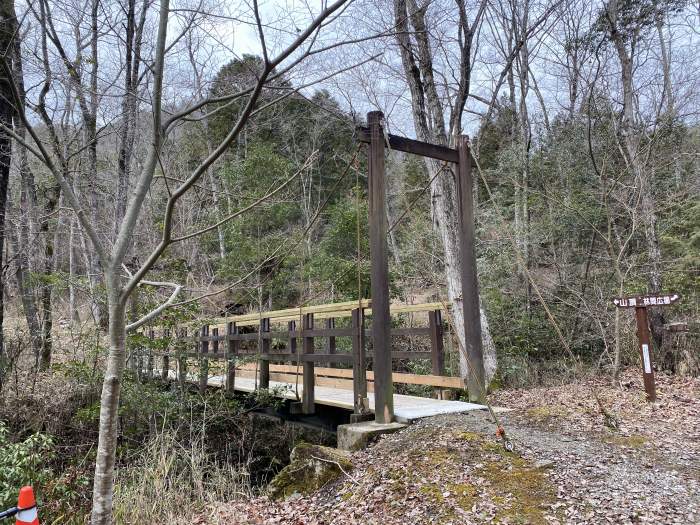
(22, 463)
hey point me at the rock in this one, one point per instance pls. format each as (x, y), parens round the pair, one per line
(310, 468)
(357, 436)
(544, 464)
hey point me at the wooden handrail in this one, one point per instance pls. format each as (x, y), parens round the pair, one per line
(322, 311)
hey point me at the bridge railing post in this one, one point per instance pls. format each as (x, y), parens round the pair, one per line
(437, 349)
(215, 342)
(182, 345)
(264, 351)
(165, 368)
(308, 396)
(231, 351)
(359, 363)
(203, 360)
(292, 328)
(330, 340)
(149, 368)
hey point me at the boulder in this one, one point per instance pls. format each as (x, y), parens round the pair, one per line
(310, 468)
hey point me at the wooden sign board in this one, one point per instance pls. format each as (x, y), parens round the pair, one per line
(642, 301)
(640, 304)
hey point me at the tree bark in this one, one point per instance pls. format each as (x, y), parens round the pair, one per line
(631, 139)
(429, 121)
(5, 161)
(7, 25)
(109, 405)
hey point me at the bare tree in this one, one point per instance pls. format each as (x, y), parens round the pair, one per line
(624, 24)
(112, 256)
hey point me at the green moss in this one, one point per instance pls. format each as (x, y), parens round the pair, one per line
(470, 436)
(545, 414)
(441, 456)
(465, 494)
(523, 493)
(433, 492)
(631, 441)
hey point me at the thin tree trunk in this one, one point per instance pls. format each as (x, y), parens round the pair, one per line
(428, 118)
(631, 141)
(109, 406)
(5, 161)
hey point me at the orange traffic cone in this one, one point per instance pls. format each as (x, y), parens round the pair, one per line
(26, 507)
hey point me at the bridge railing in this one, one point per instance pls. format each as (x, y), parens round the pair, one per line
(289, 336)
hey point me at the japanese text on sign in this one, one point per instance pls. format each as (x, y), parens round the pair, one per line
(645, 300)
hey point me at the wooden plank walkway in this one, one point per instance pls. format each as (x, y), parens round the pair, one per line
(406, 408)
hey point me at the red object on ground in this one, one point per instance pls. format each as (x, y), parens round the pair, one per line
(26, 505)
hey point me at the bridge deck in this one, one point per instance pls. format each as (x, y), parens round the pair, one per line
(406, 408)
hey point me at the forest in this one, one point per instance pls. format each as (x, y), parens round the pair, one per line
(174, 163)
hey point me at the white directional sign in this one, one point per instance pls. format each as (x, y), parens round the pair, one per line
(645, 300)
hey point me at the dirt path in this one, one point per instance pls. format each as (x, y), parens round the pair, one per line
(568, 467)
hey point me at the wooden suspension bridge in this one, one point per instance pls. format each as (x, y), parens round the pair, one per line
(303, 354)
(279, 348)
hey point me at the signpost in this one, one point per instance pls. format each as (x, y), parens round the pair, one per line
(640, 304)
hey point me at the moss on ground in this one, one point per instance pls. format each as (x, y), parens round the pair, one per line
(521, 492)
(545, 414)
(635, 441)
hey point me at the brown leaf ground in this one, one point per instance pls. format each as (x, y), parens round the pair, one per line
(568, 466)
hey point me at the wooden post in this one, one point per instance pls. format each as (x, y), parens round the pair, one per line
(308, 367)
(640, 304)
(231, 351)
(292, 327)
(204, 362)
(330, 340)
(182, 359)
(215, 343)
(381, 342)
(470, 286)
(436, 343)
(149, 372)
(165, 371)
(645, 352)
(264, 349)
(359, 362)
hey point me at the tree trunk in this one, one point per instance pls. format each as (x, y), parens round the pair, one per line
(109, 406)
(5, 160)
(7, 26)
(52, 199)
(72, 304)
(630, 138)
(428, 118)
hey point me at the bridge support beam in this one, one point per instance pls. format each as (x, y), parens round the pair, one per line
(470, 286)
(381, 321)
(359, 366)
(232, 346)
(203, 360)
(264, 350)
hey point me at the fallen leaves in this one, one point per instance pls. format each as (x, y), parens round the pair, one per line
(569, 468)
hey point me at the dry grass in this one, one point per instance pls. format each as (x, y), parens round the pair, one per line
(169, 482)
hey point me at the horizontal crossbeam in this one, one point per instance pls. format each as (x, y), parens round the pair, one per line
(413, 146)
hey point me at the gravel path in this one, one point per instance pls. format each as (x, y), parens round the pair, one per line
(622, 481)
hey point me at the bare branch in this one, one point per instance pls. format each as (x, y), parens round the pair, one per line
(250, 206)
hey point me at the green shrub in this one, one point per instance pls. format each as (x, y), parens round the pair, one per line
(22, 463)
